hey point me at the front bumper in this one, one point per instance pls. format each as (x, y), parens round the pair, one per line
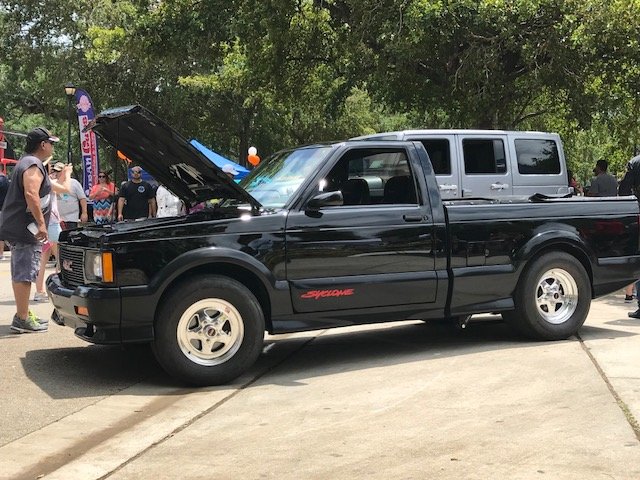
(103, 324)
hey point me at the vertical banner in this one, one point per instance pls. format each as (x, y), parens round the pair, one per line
(88, 141)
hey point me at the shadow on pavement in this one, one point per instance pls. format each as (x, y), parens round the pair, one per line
(92, 370)
(8, 302)
(617, 300)
(101, 370)
(405, 343)
(627, 322)
(5, 332)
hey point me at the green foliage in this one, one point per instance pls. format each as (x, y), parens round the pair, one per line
(275, 73)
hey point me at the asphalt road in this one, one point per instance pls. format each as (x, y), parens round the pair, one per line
(405, 400)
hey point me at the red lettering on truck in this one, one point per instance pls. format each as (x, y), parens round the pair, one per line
(318, 294)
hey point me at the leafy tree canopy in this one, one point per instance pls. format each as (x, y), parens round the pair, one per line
(276, 73)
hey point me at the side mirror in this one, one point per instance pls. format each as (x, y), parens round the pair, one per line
(325, 199)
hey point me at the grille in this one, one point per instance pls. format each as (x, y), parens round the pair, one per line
(71, 266)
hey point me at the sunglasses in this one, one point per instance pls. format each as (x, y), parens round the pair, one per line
(102, 176)
(136, 171)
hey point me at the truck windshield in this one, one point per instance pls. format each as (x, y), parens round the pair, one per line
(277, 178)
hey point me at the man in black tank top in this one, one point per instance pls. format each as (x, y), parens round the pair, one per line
(23, 222)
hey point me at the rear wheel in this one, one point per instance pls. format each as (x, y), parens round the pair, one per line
(208, 331)
(552, 298)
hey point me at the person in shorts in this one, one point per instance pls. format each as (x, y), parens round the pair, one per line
(23, 222)
(60, 178)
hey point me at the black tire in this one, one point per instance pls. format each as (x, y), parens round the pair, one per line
(552, 298)
(208, 331)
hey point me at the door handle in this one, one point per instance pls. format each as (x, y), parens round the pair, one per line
(448, 188)
(412, 218)
(499, 186)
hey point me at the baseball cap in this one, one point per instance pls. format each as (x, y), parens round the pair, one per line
(228, 168)
(58, 166)
(40, 134)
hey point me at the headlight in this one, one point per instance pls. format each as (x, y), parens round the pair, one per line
(99, 266)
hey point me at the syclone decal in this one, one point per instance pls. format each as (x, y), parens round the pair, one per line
(318, 294)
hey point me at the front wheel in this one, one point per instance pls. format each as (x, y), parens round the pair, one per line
(208, 331)
(552, 298)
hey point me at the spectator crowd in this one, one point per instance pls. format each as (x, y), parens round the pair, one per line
(41, 199)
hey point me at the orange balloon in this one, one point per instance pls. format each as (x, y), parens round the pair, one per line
(253, 159)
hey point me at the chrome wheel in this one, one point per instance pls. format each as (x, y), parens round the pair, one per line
(556, 296)
(210, 331)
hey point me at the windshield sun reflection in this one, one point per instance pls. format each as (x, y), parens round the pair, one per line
(275, 181)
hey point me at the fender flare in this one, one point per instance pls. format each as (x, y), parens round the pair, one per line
(567, 240)
(203, 256)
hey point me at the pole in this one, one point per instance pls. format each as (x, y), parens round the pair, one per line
(69, 154)
(70, 91)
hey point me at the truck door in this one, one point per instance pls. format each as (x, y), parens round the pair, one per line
(442, 153)
(374, 250)
(486, 171)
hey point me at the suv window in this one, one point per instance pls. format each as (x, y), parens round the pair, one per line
(369, 177)
(484, 156)
(439, 154)
(537, 157)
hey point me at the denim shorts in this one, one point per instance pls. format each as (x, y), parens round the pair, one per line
(25, 261)
(53, 231)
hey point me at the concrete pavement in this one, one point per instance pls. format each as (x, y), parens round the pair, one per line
(407, 400)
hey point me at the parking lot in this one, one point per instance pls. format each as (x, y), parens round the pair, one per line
(405, 400)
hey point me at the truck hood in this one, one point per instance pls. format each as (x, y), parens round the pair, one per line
(166, 155)
(96, 236)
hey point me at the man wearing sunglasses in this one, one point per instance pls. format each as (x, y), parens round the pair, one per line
(136, 198)
(23, 222)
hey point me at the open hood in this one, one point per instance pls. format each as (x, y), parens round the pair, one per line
(171, 159)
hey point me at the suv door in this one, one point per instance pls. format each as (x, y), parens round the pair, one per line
(486, 169)
(538, 165)
(375, 250)
(442, 153)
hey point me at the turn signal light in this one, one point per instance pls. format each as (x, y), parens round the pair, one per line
(107, 267)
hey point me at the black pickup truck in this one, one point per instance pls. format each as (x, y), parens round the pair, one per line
(324, 236)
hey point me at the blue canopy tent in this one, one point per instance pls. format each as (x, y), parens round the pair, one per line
(219, 160)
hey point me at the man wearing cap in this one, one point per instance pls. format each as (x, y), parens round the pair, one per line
(23, 222)
(229, 170)
(72, 205)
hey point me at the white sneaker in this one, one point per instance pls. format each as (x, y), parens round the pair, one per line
(40, 297)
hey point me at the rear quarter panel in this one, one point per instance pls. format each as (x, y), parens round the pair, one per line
(492, 243)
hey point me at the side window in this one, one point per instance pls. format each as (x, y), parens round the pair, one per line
(537, 157)
(372, 176)
(439, 154)
(484, 156)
